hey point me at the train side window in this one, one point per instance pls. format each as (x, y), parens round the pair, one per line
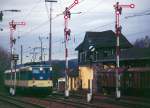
(7, 76)
(148, 79)
(35, 71)
(23, 75)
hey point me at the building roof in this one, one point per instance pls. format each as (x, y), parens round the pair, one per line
(102, 40)
(130, 54)
(136, 53)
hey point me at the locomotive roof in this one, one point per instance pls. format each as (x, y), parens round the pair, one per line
(39, 65)
(26, 68)
(9, 71)
(17, 70)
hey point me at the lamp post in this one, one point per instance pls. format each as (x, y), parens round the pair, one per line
(91, 51)
(11, 10)
(2, 14)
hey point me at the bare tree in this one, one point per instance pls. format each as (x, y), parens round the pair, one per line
(143, 42)
(4, 64)
(4, 59)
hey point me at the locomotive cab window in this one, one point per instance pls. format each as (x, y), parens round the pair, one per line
(46, 70)
(36, 71)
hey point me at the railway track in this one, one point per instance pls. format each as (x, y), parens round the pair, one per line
(32, 102)
(80, 102)
(130, 102)
(137, 99)
(61, 102)
(127, 102)
(74, 101)
(17, 102)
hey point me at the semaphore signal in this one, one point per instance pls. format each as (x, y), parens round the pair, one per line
(118, 28)
(12, 26)
(67, 32)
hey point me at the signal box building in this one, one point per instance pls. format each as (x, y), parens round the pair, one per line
(93, 64)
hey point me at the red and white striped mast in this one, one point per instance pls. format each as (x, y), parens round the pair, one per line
(118, 11)
(67, 32)
(12, 27)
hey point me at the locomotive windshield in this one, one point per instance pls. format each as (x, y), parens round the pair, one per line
(37, 70)
(42, 73)
(46, 70)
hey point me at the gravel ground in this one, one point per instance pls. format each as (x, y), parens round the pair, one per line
(6, 105)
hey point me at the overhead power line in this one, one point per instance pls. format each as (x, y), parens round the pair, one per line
(31, 10)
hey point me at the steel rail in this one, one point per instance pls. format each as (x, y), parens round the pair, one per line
(18, 102)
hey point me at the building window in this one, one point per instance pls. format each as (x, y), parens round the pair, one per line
(85, 54)
(95, 56)
(99, 55)
(108, 53)
(82, 57)
(123, 49)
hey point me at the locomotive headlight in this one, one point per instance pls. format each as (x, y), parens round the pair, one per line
(50, 68)
(41, 77)
(41, 69)
(30, 68)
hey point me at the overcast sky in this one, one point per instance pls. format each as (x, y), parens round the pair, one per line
(97, 15)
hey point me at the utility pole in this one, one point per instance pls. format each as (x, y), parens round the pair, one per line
(50, 34)
(40, 38)
(34, 54)
(67, 32)
(13, 25)
(118, 12)
(21, 54)
(44, 56)
(41, 47)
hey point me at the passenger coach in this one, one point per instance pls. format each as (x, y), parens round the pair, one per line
(29, 79)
